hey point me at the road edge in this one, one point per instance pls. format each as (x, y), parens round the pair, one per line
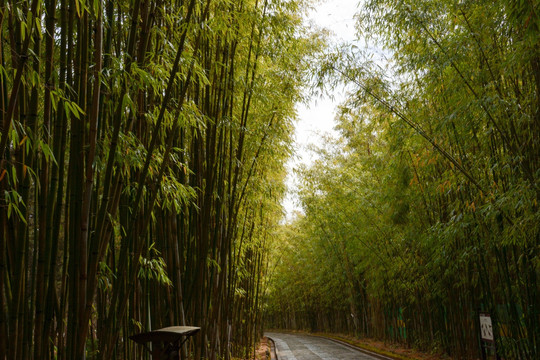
(273, 351)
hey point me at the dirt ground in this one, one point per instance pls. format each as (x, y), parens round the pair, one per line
(263, 350)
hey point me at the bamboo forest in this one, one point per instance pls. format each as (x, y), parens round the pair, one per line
(143, 170)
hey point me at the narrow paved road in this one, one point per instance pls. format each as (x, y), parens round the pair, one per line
(305, 347)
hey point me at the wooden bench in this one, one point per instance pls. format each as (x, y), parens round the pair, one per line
(166, 342)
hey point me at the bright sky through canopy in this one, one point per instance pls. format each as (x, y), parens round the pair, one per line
(317, 117)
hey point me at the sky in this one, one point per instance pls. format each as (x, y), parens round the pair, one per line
(316, 118)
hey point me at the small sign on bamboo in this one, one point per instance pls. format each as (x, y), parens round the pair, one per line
(486, 327)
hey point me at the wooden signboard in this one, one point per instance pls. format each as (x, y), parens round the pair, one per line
(166, 342)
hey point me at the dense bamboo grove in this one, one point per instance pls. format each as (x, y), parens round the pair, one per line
(425, 211)
(142, 147)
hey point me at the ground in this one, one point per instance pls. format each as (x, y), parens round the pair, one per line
(391, 350)
(263, 350)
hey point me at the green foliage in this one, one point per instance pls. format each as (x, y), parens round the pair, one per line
(153, 268)
(427, 204)
(129, 123)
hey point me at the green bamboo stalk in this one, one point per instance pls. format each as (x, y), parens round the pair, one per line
(43, 246)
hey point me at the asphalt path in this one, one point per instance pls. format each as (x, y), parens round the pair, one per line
(305, 347)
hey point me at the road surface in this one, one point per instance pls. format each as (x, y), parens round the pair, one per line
(305, 347)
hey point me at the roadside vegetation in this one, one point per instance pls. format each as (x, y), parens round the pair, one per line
(142, 146)
(423, 213)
